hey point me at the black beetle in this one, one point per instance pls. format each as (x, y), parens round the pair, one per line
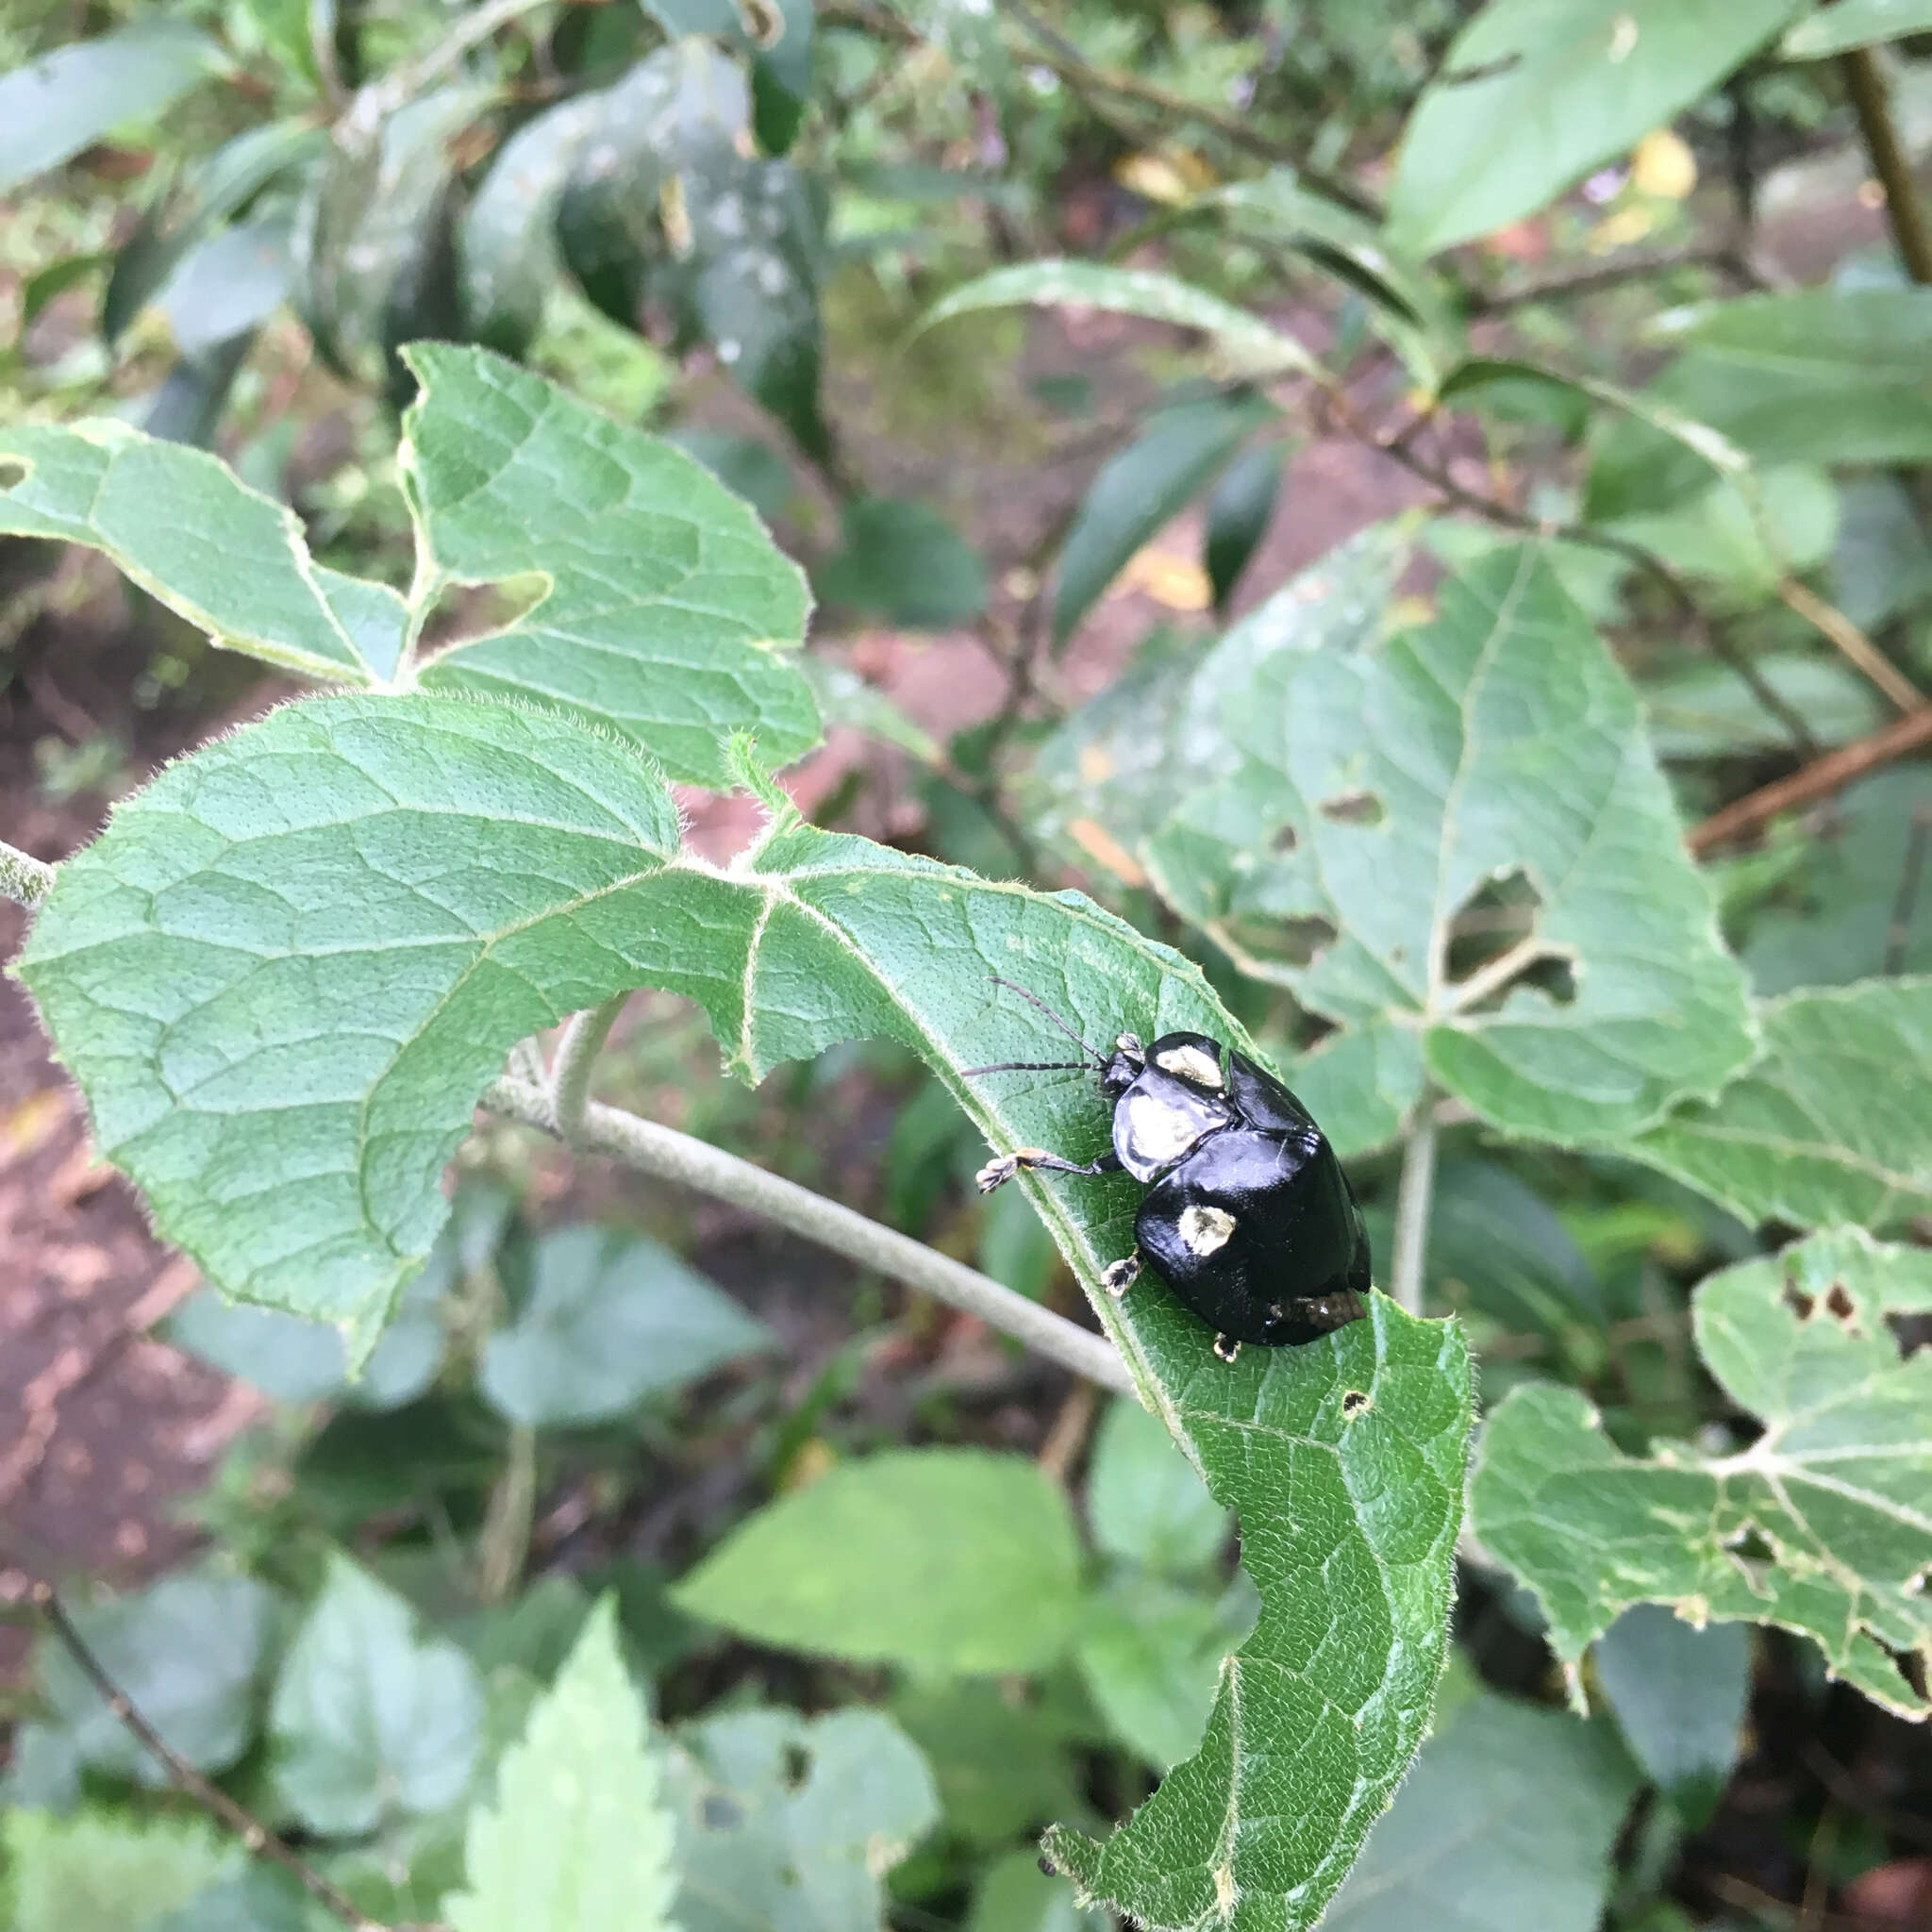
(1248, 1216)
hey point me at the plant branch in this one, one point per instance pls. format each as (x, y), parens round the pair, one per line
(183, 1775)
(1570, 283)
(1414, 1194)
(655, 1149)
(576, 1055)
(376, 103)
(1853, 645)
(1866, 86)
(23, 879)
(1819, 779)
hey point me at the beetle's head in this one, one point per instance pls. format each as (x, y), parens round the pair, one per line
(1123, 1066)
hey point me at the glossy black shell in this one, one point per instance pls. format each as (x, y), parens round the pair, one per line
(1252, 1222)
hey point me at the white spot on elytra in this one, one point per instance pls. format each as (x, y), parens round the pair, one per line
(1193, 1064)
(1206, 1230)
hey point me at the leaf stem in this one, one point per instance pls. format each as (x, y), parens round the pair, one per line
(654, 1149)
(506, 1539)
(1865, 84)
(25, 879)
(183, 1775)
(576, 1055)
(1414, 1195)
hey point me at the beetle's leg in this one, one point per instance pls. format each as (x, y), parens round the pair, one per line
(1226, 1349)
(1118, 1276)
(1003, 1167)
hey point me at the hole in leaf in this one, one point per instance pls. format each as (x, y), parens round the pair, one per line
(1492, 945)
(794, 1767)
(1353, 808)
(1354, 1402)
(1552, 975)
(1920, 1584)
(1840, 1306)
(462, 613)
(1293, 941)
(1285, 840)
(1911, 1333)
(1801, 1304)
(13, 473)
(716, 1812)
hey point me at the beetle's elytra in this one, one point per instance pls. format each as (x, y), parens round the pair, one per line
(1248, 1216)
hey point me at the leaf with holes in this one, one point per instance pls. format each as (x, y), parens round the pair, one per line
(658, 608)
(1821, 1525)
(1461, 829)
(788, 1823)
(1828, 1123)
(287, 971)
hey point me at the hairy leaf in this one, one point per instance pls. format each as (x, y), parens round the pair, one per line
(579, 1837)
(1407, 828)
(788, 1823)
(948, 1561)
(1509, 1819)
(324, 932)
(368, 1723)
(102, 1871)
(1821, 1525)
(1534, 93)
(1827, 1124)
(1243, 344)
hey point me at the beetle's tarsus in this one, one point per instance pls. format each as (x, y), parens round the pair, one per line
(1003, 1167)
(1226, 1349)
(1118, 1276)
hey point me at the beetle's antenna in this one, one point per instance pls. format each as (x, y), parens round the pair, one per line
(1026, 1067)
(1098, 1057)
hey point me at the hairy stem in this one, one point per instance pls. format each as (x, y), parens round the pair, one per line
(506, 1539)
(576, 1055)
(655, 1149)
(1414, 1197)
(190, 1782)
(22, 879)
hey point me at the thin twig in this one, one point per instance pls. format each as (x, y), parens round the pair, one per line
(1899, 933)
(655, 1149)
(183, 1775)
(1819, 779)
(1853, 645)
(1414, 1194)
(1866, 86)
(23, 879)
(377, 102)
(1571, 283)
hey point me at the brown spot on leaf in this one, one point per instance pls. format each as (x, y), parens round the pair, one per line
(1355, 1401)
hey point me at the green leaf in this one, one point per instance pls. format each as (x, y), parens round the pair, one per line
(263, 1898)
(1145, 1502)
(844, 697)
(103, 1872)
(1883, 563)
(1508, 1820)
(187, 531)
(1807, 376)
(1001, 1768)
(56, 106)
(1837, 28)
(1238, 514)
(1826, 1125)
(947, 1561)
(1015, 1896)
(1534, 93)
(228, 284)
(1678, 1695)
(1821, 1525)
(1497, 1246)
(474, 870)
(1243, 343)
(903, 564)
(610, 1317)
(1837, 917)
(1378, 793)
(667, 612)
(1142, 489)
(1746, 546)
(1151, 1656)
(369, 1724)
(508, 238)
(202, 1698)
(1704, 710)
(1318, 1714)
(788, 1823)
(579, 1837)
